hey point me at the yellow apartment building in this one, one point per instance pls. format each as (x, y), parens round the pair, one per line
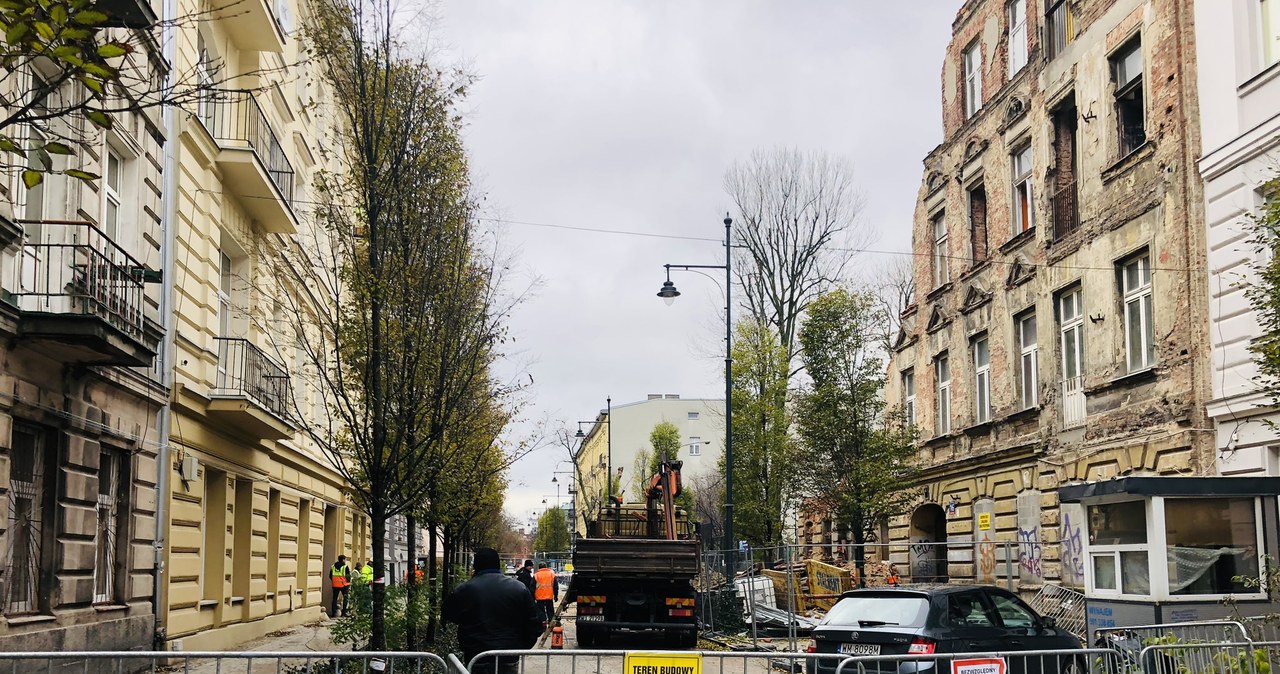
(256, 513)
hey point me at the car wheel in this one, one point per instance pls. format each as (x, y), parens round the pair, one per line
(1074, 666)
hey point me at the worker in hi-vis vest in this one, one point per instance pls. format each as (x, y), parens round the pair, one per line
(546, 590)
(340, 578)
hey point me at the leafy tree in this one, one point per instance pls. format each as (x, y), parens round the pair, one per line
(1263, 290)
(764, 453)
(553, 531)
(859, 456)
(665, 441)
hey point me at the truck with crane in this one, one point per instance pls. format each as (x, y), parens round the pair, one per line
(634, 570)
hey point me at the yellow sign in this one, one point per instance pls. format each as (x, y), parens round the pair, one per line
(984, 521)
(662, 663)
(569, 567)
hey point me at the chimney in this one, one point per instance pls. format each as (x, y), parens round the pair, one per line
(655, 396)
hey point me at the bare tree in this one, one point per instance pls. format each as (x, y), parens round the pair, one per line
(893, 288)
(797, 230)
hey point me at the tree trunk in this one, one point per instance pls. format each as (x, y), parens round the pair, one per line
(378, 633)
(433, 598)
(411, 587)
(859, 547)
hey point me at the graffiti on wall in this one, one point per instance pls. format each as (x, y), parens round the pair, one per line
(1030, 554)
(987, 560)
(924, 559)
(1072, 552)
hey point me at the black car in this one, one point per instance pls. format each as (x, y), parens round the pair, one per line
(928, 619)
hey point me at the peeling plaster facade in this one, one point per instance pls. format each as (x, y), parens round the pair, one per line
(1114, 229)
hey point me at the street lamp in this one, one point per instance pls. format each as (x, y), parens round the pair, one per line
(668, 293)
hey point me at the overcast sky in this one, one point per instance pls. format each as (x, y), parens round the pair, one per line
(624, 115)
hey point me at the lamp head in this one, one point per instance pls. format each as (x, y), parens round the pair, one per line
(668, 292)
(579, 434)
(553, 479)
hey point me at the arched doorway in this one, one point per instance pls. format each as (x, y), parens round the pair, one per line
(928, 550)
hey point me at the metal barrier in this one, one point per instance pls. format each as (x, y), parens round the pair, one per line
(1208, 631)
(211, 662)
(1074, 661)
(1217, 658)
(611, 662)
(1263, 628)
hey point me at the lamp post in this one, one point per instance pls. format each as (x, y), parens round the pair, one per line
(608, 417)
(668, 293)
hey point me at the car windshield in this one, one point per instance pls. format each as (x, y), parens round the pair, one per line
(874, 611)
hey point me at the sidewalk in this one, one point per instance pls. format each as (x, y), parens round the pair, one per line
(310, 637)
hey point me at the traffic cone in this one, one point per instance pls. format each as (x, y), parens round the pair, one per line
(557, 637)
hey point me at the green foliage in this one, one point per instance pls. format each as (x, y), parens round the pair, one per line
(355, 628)
(765, 458)
(1264, 290)
(78, 66)
(553, 531)
(665, 441)
(861, 457)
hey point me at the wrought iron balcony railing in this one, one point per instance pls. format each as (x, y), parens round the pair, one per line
(73, 268)
(245, 371)
(1073, 402)
(235, 119)
(1066, 217)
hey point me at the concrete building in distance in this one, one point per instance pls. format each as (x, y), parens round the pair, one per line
(1237, 52)
(1060, 330)
(701, 423)
(256, 513)
(80, 394)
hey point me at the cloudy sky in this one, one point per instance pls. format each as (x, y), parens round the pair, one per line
(623, 115)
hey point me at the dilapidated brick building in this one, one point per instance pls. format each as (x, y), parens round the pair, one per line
(1059, 333)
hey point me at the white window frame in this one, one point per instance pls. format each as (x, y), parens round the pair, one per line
(1068, 323)
(981, 379)
(971, 60)
(1021, 161)
(695, 446)
(692, 416)
(1094, 550)
(1138, 298)
(1158, 506)
(941, 270)
(1017, 17)
(909, 395)
(1268, 22)
(942, 368)
(1029, 360)
(111, 194)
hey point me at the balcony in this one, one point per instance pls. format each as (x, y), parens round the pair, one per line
(251, 24)
(81, 296)
(253, 162)
(1066, 217)
(1073, 407)
(252, 391)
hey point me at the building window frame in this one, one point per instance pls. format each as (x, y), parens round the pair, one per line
(1024, 206)
(981, 350)
(1268, 22)
(941, 270)
(692, 416)
(1016, 13)
(942, 383)
(31, 513)
(1059, 27)
(978, 238)
(1138, 312)
(1029, 359)
(1127, 76)
(110, 541)
(695, 445)
(971, 62)
(909, 395)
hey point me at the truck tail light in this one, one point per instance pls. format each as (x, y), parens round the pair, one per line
(679, 601)
(590, 610)
(681, 612)
(922, 646)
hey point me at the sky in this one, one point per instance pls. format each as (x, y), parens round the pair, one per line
(624, 115)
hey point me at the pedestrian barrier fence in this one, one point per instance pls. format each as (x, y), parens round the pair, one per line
(661, 662)
(1219, 658)
(1072, 661)
(1209, 631)
(217, 662)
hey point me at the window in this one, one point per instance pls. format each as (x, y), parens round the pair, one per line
(972, 58)
(695, 446)
(978, 223)
(206, 69)
(1059, 27)
(1118, 547)
(982, 379)
(1017, 36)
(111, 195)
(1012, 612)
(1065, 215)
(224, 295)
(1023, 203)
(1126, 73)
(1029, 370)
(942, 375)
(1269, 21)
(113, 490)
(909, 395)
(1211, 542)
(693, 416)
(940, 272)
(1072, 321)
(968, 610)
(1139, 334)
(32, 467)
(213, 584)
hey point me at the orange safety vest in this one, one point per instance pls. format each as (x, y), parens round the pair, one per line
(339, 576)
(545, 589)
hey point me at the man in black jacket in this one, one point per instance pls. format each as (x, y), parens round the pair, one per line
(525, 575)
(493, 612)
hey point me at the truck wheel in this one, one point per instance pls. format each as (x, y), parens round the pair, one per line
(591, 637)
(687, 639)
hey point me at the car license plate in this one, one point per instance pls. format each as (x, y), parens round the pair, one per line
(860, 649)
(595, 618)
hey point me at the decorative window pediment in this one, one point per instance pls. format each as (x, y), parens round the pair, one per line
(974, 297)
(1017, 108)
(938, 319)
(1020, 272)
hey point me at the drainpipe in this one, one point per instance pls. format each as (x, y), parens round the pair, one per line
(169, 218)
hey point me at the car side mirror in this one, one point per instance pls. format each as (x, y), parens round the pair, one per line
(1049, 622)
